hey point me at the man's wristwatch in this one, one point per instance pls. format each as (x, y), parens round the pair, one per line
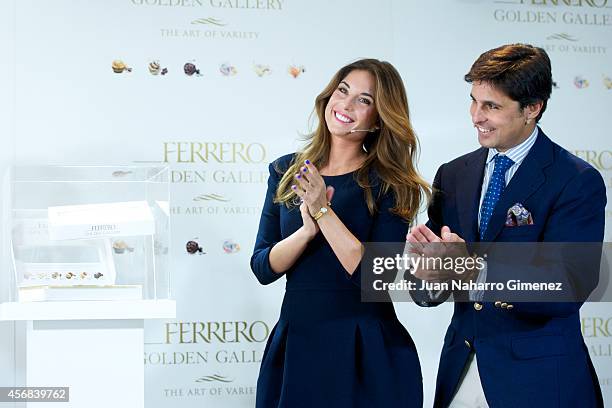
(321, 212)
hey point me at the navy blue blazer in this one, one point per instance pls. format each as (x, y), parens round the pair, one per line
(533, 354)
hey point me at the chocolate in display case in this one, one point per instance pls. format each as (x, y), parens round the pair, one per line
(86, 233)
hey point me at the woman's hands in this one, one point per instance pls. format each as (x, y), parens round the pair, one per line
(313, 192)
(311, 188)
(310, 226)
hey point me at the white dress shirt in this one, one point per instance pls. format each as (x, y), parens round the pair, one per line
(517, 154)
(469, 391)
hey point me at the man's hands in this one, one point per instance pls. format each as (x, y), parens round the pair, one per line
(434, 250)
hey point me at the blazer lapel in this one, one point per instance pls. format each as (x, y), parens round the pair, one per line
(526, 181)
(468, 194)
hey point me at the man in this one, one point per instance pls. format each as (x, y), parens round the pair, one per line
(518, 187)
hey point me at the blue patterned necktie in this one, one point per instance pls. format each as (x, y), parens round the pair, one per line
(497, 183)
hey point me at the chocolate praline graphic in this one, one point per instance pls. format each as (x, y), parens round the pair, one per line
(191, 69)
(295, 70)
(228, 70)
(261, 70)
(119, 66)
(120, 246)
(154, 67)
(193, 247)
(230, 247)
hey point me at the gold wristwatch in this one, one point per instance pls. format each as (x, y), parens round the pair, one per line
(321, 212)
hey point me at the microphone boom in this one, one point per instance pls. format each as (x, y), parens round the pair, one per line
(363, 130)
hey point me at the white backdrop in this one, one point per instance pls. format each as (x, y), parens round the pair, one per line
(70, 108)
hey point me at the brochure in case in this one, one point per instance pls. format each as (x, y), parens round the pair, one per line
(129, 218)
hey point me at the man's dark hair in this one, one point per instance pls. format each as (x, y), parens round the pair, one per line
(521, 71)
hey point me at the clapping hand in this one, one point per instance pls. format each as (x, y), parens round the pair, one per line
(311, 188)
(423, 242)
(313, 193)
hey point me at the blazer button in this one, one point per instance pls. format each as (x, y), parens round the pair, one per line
(477, 306)
(510, 307)
(467, 344)
(504, 305)
(498, 303)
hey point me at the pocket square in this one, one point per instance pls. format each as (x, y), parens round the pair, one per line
(518, 216)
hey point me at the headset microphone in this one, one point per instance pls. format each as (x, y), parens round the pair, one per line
(364, 130)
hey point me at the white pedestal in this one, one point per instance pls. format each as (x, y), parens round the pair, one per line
(100, 357)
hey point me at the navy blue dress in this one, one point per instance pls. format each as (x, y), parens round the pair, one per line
(329, 349)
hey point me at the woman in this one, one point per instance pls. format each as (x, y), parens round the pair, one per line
(354, 182)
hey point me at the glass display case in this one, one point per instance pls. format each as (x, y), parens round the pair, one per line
(86, 233)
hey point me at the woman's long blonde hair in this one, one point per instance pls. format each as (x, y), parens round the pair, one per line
(391, 150)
